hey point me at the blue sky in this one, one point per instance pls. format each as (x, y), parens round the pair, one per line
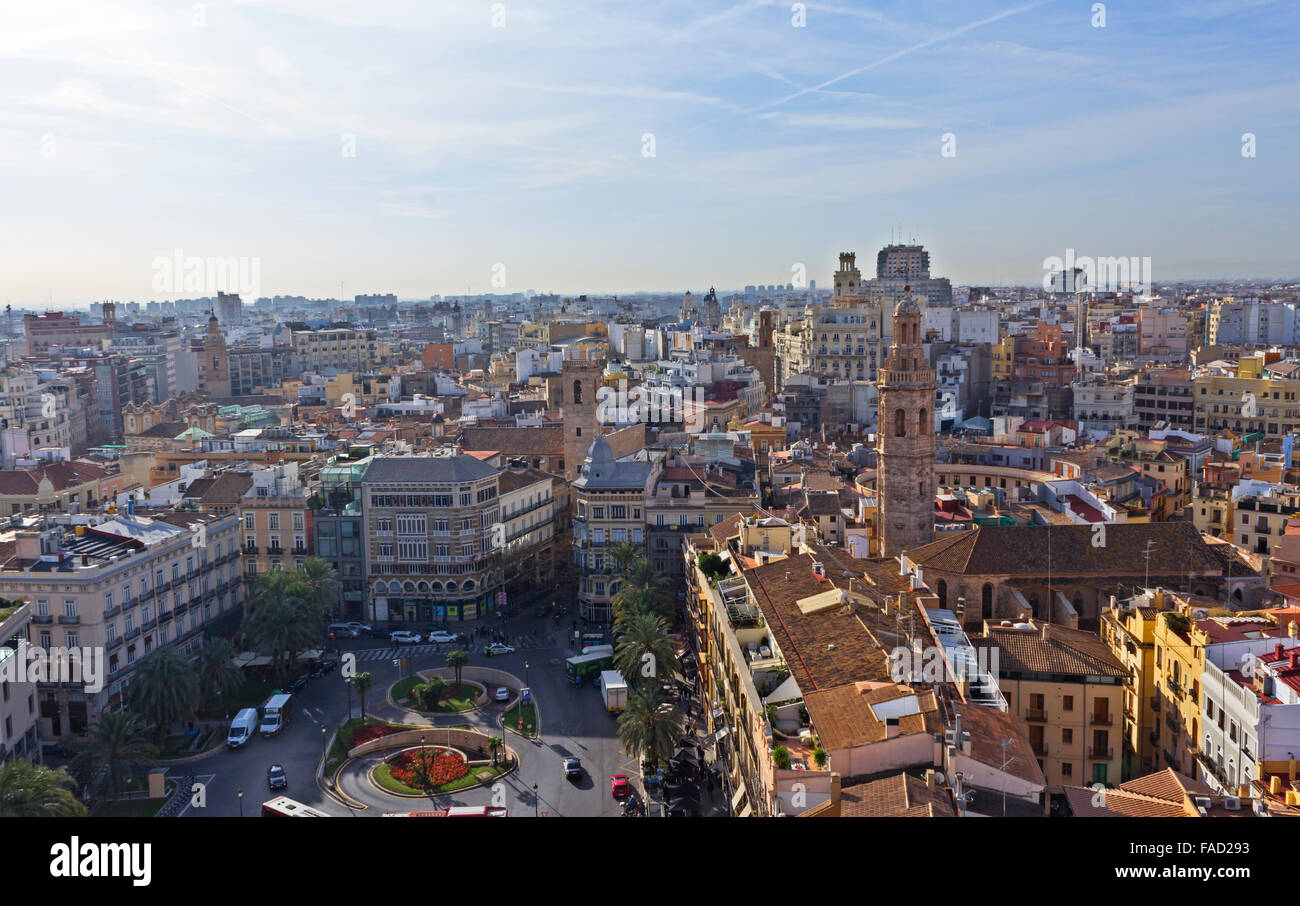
(131, 129)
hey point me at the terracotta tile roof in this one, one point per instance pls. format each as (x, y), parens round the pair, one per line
(987, 728)
(1167, 784)
(895, 796)
(547, 440)
(845, 716)
(1049, 648)
(1023, 551)
(1164, 794)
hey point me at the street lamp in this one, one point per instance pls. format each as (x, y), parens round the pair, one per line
(536, 803)
(424, 765)
(241, 803)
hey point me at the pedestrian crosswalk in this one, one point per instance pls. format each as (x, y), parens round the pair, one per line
(526, 643)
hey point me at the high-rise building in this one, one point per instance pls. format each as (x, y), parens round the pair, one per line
(905, 477)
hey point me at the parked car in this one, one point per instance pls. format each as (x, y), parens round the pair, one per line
(441, 637)
(502, 694)
(497, 648)
(405, 637)
(619, 786)
(359, 627)
(299, 684)
(344, 631)
(276, 779)
(543, 610)
(572, 769)
(379, 632)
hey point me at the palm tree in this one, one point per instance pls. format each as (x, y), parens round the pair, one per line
(644, 642)
(456, 661)
(650, 726)
(165, 689)
(495, 744)
(217, 674)
(274, 585)
(362, 682)
(620, 558)
(644, 589)
(117, 749)
(320, 585)
(30, 790)
(282, 628)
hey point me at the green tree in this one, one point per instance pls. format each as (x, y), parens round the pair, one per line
(645, 653)
(643, 589)
(362, 683)
(165, 690)
(30, 790)
(781, 757)
(650, 725)
(430, 693)
(457, 661)
(495, 744)
(713, 566)
(622, 557)
(117, 749)
(282, 627)
(217, 675)
(320, 585)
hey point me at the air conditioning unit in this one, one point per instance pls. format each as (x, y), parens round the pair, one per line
(1232, 803)
(1204, 802)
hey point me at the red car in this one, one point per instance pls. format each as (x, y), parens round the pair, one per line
(618, 786)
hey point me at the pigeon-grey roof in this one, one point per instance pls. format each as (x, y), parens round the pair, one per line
(436, 469)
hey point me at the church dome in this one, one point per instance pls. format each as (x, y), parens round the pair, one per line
(600, 451)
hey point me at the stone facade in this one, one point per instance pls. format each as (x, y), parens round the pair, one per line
(905, 429)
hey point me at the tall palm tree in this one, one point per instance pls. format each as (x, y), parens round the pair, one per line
(620, 558)
(117, 749)
(274, 585)
(165, 689)
(650, 726)
(320, 585)
(456, 661)
(644, 645)
(282, 628)
(30, 790)
(217, 674)
(363, 683)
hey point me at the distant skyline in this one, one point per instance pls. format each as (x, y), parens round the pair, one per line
(225, 129)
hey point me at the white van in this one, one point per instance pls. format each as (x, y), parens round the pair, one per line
(242, 728)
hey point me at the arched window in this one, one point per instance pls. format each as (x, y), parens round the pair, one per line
(577, 393)
(900, 423)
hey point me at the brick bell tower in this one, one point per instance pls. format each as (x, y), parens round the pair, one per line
(905, 437)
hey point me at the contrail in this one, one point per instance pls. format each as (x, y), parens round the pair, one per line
(902, 53)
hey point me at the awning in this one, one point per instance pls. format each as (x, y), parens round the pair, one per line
(250, 659)
(312, 655)
(788, 691)
(738, 796)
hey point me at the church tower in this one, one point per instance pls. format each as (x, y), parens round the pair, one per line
(213, 362)
(581, 381)
(905, 438)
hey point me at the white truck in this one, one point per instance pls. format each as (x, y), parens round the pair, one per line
(275, 713)
(613, 689)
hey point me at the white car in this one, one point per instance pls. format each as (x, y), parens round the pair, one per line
(497, 648)
(441, 637)
(405, 637)
(503, 694)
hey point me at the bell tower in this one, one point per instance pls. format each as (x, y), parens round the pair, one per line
(581, 381)
(905, 438)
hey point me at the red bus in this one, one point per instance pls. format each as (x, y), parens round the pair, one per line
(284, 807)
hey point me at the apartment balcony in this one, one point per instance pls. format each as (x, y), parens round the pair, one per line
(148, 624)
(1040, 748)
(66, 620)
(1101, 753)
(1036, 716)
(165, 616)
(42, 618)
(132, 634)
(113, 644)
(147, 594)
(276, 551)
(130, 604)
(1172, 722)
(250, 549)
(1102, 720)
(108, 614)
(1155, 703)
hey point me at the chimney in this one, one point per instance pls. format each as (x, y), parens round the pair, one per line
(931, 779)
(1275, 785)
(1044, 630)
(1277, 651)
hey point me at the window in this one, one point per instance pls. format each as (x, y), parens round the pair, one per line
(900, 423)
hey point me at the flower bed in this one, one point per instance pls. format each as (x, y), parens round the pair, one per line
(367, 732)
(430, 768)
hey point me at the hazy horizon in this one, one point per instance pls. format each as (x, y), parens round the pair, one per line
(394, 147)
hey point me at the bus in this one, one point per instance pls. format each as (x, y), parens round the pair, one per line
(590, 663)
(457, 811)
(284, 807)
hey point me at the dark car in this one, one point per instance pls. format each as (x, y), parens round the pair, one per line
(378, 632)
(572, 769)
(299, 684)
(276, 779)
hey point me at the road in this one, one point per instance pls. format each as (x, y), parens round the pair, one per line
(573, 722)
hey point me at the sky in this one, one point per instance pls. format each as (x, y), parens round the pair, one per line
(428, 146)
